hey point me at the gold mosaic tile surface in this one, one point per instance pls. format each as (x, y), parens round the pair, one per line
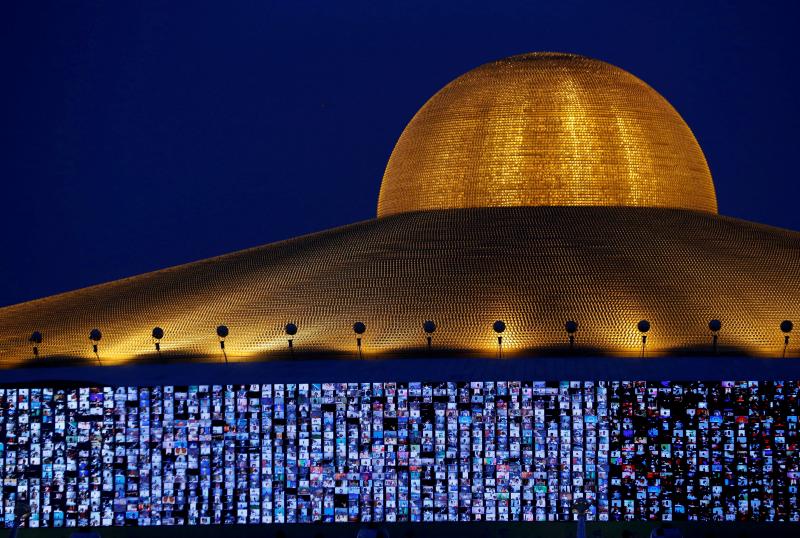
(546, 129)
(533, 267)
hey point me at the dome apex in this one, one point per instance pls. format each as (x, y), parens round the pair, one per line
(546, 129)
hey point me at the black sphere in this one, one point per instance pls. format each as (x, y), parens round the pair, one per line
(36, 337)
(158, 333)
(571, 327)
(787, 326)
(95, 335)
(714, 325)
(643, 326)
(429, 327)
(291, 329)
(499, 326)
(359, 327)
(222, 331)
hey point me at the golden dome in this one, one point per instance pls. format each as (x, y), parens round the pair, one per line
(537, 130)
(546, 129)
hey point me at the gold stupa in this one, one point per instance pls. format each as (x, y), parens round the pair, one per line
(546, 129)
(536, 189)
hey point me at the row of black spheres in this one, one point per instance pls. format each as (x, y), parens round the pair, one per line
(359, 328)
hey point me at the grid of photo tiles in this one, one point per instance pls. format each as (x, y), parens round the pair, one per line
(493, 451)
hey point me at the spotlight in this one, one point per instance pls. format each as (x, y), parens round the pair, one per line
(643, 327)
(786, 328)
(429, 327)
(158, 334)
(714, 326)
(36, 340)
(222, 333)
(499, 327)
(95, 336)
(359, 328)
(291, 330)
(572, 328)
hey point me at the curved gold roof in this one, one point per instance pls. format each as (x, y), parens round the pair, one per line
(533, 267)
(546, 129)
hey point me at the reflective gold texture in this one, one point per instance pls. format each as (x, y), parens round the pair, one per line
(546, 129)
(533, 267)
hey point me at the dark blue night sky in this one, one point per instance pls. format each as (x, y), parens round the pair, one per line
(137, 136)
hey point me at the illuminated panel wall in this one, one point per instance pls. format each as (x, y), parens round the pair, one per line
(495, 451)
